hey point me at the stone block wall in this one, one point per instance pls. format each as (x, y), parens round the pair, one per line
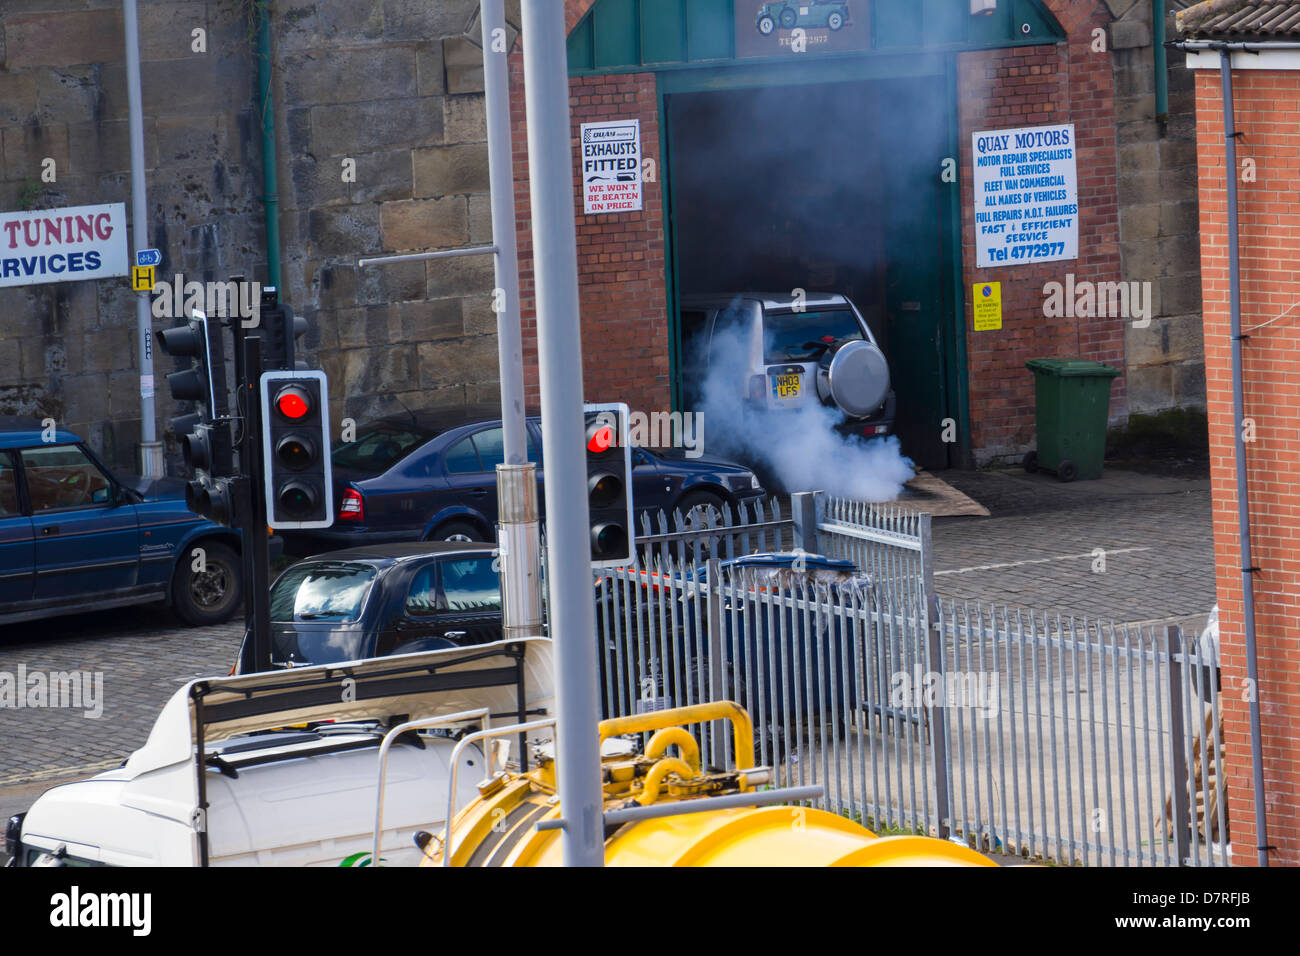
(394, 86)
(1159, 240)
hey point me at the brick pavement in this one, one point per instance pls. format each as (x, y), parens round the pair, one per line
(145, 654)
(1155, 530)
(1037, 548)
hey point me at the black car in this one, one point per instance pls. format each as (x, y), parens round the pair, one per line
(380, 600)
(431, 476)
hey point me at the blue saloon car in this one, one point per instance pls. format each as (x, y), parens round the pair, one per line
(75, 537)
(431, 476)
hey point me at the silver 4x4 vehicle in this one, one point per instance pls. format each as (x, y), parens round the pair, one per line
(794, 353)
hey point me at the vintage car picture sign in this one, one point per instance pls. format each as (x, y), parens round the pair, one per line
(611, 166)
(63, 245)
(797, 27)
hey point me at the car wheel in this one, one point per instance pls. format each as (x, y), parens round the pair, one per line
(456, 531)
(1030, 462)
(787, 18)
(210, 594)
(835, 21)
(696, 508)
(766, 25)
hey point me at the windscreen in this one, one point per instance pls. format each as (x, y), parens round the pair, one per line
(378, 447)
(321, 591)
(804, 336)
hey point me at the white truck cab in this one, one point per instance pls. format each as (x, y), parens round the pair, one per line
(280, 768)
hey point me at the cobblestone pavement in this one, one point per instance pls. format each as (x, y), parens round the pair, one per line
(1036, 550)
(1038, 547)
(144, 654)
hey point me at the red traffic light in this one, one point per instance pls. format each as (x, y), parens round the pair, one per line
(293, 402)
(600, 440)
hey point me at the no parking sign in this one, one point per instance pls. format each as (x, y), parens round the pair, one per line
(987, 309)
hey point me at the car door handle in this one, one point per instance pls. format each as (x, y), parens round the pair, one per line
(50, 529)
(452, 635)
(477, 492)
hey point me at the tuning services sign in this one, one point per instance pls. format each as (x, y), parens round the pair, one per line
(63, 245)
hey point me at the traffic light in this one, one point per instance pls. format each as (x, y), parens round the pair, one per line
(609, 484)
(296, 449)
(204, 435)
(279, 329)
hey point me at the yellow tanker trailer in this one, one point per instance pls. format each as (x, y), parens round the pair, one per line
(665, 810)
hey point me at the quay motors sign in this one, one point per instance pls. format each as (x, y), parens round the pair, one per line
(63, 245)
(1026, 196)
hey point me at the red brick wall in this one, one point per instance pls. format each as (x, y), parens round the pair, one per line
(624, 295)
(1269, 210)
(621, 279)
(1037, 86)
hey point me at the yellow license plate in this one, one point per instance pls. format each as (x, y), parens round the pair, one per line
(786, 386)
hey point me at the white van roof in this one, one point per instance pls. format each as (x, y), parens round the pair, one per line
(427, 684)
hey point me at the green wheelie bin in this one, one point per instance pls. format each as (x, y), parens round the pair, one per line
(1072, 397)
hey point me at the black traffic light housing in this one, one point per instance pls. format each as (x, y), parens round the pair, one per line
(279, 330)
(609, 484)
(204, 435)
(298, 481)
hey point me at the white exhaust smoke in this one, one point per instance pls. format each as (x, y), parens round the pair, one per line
(800, 447)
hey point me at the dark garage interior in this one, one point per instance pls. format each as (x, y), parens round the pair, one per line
(832, 187)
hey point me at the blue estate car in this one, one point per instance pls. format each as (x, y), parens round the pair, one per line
(431, 476)
(74, 537)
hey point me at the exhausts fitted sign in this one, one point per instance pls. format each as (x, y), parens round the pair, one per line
(63, 245)
(611, 166)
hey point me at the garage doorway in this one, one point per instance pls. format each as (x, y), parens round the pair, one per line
(828, 187)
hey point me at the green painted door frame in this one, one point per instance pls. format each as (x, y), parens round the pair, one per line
(690, 46)
(740, 75)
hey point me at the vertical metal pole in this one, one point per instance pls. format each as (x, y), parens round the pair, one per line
(803, 509)
(1179, 811)
(270, 190)
(501, 181)
(253, 534)
(151, 456)
(1161, 60)
(559, 360)
(1243, 496)
(717, 658)
(519, 539)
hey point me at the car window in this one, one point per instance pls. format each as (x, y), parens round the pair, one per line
(321, 591)
(461, 458)
(491, 447)
(422, 599)
(8, 485)
(378, 447)
(60, 477)
(471, 584)
(798, 336)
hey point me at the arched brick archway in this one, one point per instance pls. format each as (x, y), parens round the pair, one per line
(1070, 13)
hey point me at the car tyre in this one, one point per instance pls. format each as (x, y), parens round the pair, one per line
(788, 18)
(209, 596)
(835, 21)
(766, 25)
(456, 531)
(695, 507)
(1030, 462)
